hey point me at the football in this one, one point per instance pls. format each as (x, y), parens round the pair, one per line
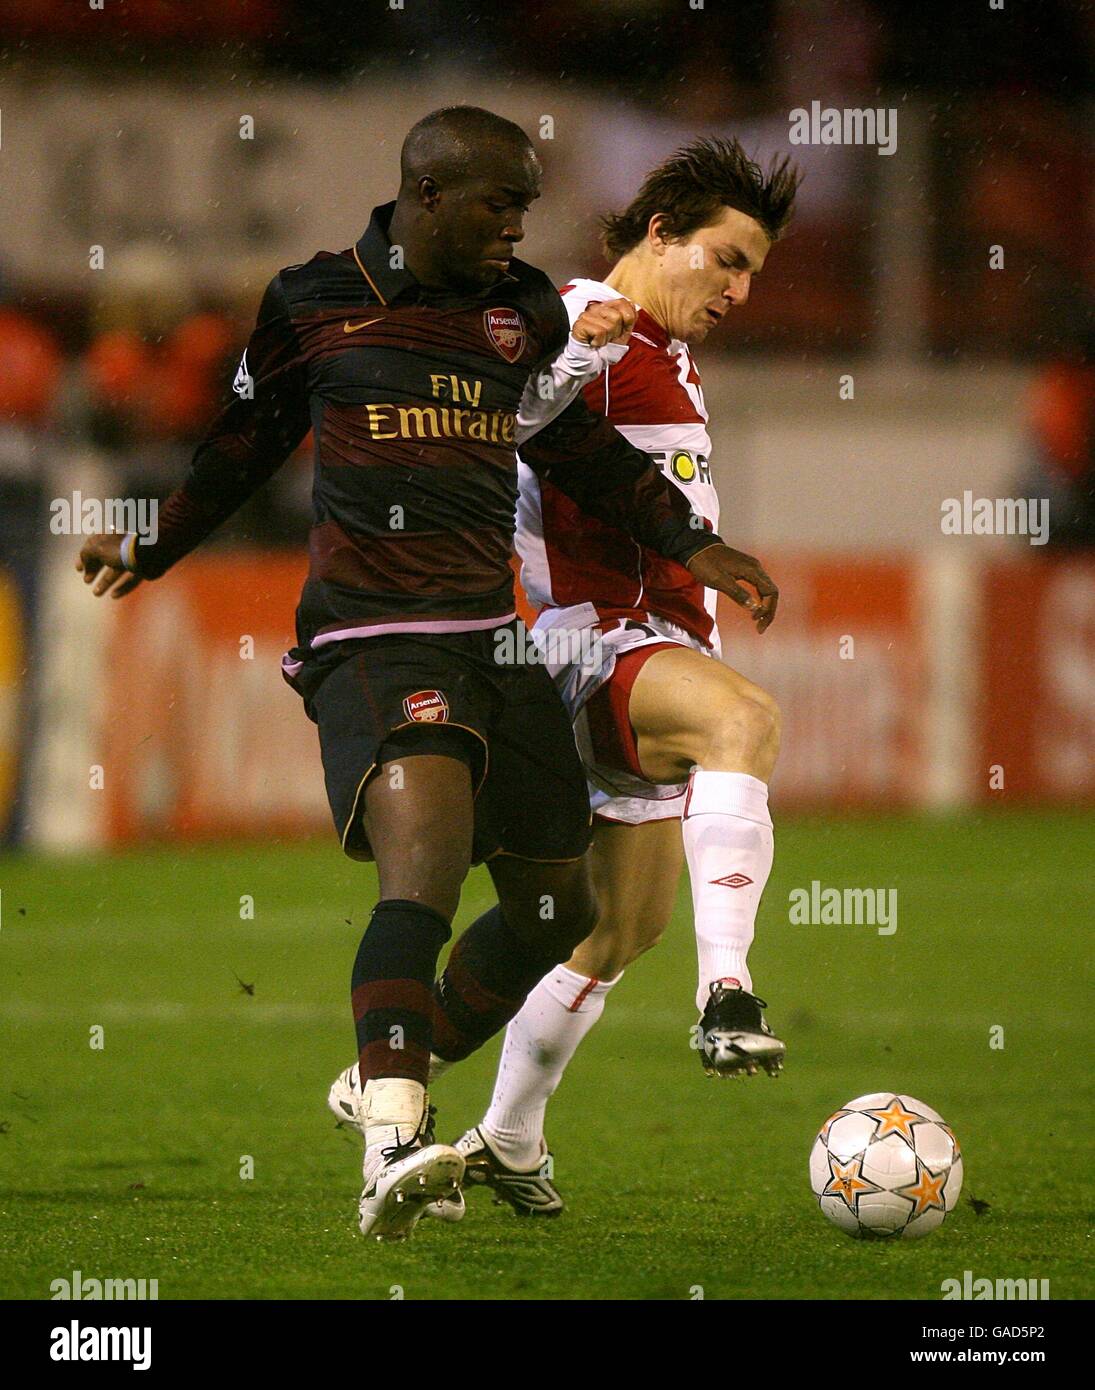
(886, 1165)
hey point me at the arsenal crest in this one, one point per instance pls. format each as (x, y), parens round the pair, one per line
(426, 707)
(506, 330)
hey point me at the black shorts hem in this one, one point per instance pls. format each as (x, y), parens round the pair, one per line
(360, 850)
(534, 858)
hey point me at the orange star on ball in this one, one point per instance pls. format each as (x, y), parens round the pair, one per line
(895, 1119)
(926, 1192)
(847, 1181)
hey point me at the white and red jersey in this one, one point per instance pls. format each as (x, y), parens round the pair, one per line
(654, 398)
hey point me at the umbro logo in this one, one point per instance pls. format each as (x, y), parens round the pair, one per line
(732, 880)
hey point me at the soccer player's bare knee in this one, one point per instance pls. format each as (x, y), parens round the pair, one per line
(743, 735)
(724, 722)
(419, 822)
(551, 906)
(428, 871)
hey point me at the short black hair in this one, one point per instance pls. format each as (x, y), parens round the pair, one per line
(694, 183)
(458, 141)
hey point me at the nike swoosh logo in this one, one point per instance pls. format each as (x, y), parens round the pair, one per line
(349, 327)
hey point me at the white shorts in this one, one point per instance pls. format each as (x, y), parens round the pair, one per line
(581, 651)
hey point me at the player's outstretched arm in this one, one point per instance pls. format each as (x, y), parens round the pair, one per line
(598, 338)
(246, 445)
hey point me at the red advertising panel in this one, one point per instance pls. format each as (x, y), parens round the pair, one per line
(13, 668)
(1036, 721)
(201, 735)
(844, 660)
(884, 704)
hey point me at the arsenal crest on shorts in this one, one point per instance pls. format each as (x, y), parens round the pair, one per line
(506, 330)
(426, 707)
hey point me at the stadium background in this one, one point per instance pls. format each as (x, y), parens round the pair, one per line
(970, 651)
(968, 694)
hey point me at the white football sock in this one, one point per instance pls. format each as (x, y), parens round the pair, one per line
(728, 844)
(540, 1041)
(391, 1111)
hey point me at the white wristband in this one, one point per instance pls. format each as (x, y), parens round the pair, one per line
(581, 359)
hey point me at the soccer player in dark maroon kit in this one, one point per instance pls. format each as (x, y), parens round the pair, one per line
(408, 355)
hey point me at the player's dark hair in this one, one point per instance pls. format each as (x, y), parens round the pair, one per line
(692, 186)
(458, 140)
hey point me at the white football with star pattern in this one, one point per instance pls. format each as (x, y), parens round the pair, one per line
(886, 1165)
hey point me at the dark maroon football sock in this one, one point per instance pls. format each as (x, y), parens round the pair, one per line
(391, 989)
(488, 977)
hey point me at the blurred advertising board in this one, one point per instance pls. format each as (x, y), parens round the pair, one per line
(199, 733)
(903, 684)
(1037, 666)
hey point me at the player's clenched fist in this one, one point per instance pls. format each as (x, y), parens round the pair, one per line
(719, 567)
(100, 563)
(608, 322)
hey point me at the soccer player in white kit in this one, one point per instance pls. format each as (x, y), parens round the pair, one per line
(678, 747)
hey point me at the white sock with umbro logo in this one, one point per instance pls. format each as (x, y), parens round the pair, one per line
(729, 847)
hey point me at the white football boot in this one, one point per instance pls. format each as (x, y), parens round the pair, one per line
(344, 1101)
(344, 1098)
(402, 1182)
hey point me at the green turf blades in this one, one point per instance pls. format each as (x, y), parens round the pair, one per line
(126, 1161)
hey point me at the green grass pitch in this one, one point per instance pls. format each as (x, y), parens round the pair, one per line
(125, 1161)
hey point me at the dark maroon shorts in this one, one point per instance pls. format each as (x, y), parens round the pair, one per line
(379, 698)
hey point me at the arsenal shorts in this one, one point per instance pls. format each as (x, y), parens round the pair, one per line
(471, 695)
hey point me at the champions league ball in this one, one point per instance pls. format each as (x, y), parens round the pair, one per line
(886, 1165)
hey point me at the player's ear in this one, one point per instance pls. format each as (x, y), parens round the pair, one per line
(429, 194)
(657, 238)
